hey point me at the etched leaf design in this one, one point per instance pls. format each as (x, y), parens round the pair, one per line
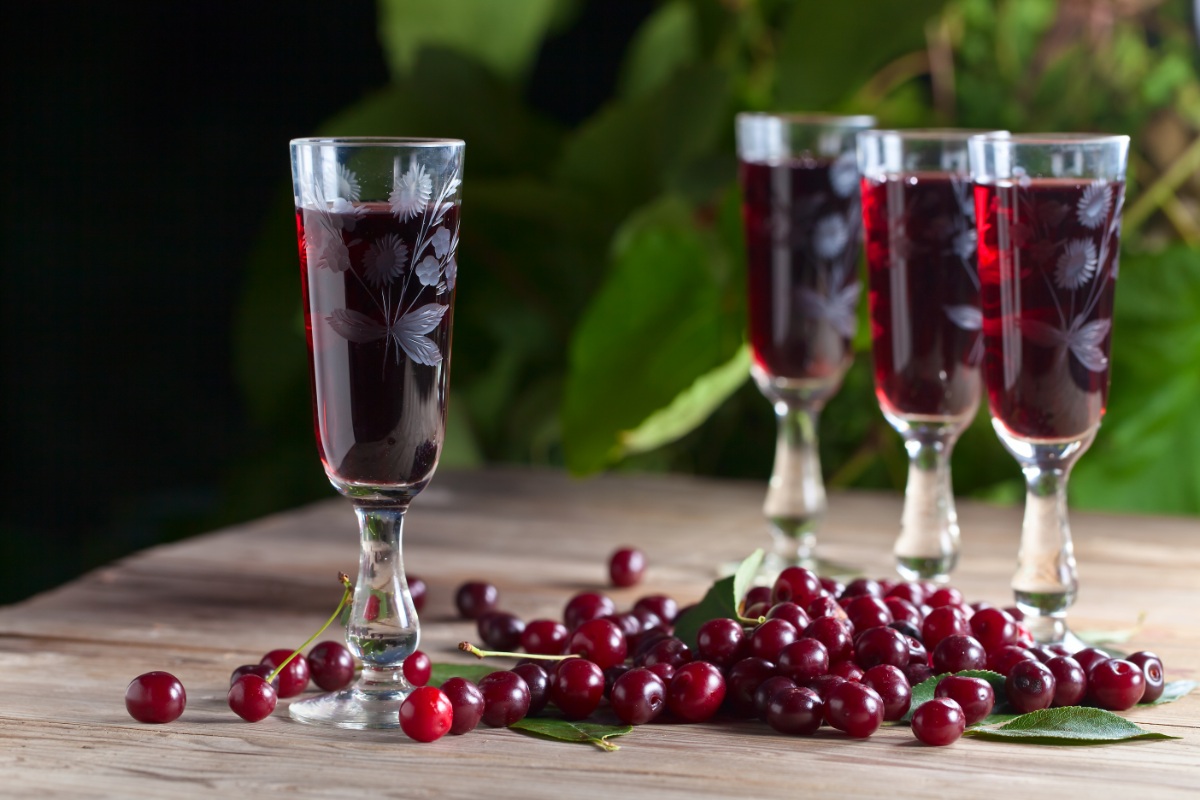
(1085, 344)
(839, 310)
(323, 244)
(964, 243)
(1042, 334)
(355, 326)
(429, 270)
(409, 333)
(451, 273)
(966, 317)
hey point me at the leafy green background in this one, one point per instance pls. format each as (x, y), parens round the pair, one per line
(601, 315)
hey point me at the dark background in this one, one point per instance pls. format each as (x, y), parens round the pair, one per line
(142, 150)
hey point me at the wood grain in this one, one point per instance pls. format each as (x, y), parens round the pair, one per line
(201, 607)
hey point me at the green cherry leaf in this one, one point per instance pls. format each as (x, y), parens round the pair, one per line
(721, 600)
(568, 731)
(472, 672)
(1071, 725)
(1173, 691)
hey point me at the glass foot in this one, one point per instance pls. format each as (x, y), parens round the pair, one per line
(351, 708)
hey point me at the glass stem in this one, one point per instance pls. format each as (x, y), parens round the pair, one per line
(928, 545)
(383, 629)
(1045, 582)
(795, 501)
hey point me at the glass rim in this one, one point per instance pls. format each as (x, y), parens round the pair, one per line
(806, 118)
(376, 141)
(935, 134)
(1054, 138)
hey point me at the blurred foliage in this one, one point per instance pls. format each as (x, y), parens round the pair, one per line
(600, 324)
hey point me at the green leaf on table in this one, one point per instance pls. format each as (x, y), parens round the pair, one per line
(1173, 691)
(472, 672)
(721, 599)
(1100, 638)
(568, 731)
(1070, 725)
(923, 691)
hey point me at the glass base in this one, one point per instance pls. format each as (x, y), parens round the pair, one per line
(352, 708)
(1046, 618)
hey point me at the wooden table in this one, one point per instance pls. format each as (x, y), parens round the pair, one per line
(202, 607)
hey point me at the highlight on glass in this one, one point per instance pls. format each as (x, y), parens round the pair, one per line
(1048, 209)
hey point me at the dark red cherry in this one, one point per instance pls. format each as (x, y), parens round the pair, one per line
(1116, 684)
(881, 646)
(506, 697)
(473, 599)
(803, 660)
(942, 622)
(1030, 686)
(638, 696)
(545, 637)
(577, 688)
(768, 639)
(696, 691)
(252, 698)
(956, 653)
(891, 685)
(835, 634)
(600, 641)
(155, 697)
(330, 665)
(1090, 657)
(796, 711)
(938, 722)
(466, 702)
(1152, 670)
(500, 630)
(586, 606)
(797, 585)
(626, 566)
(854, 708)
(1002, 660)
(744, 678)
(720, 641)
(1070, 681)
(974, 695)
(293, 679)
(993, 629)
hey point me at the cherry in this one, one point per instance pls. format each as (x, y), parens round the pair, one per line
(956, 653)
(942, 622)
(768, 639)
(371, 608)
(599, 641)
(1002, 660)
(663, 670)
(835, 634)
(825, 606)
(417, 668)
(626, 566)
(1152, 669)
(881, 646)
(663, 607)
(696, 691)
(917, 673)
(994, 629)
(155, 697)
(264, 672)
(893, 688)
(586, 606)
(766, 690)
(804, 660)
(854, 708)
(796, 711)
(426, 714)
(1043, 654)
(868, 611)
(545, 637)
(847, 670)
(756, 595)
(475, 598)
(824, 684)
(720, 641)
(1030, 686)
(1070, 681)
(638, 696)
(917, 654)
(417, 590)
(538, 681)
(908, 591)
(863, 587)
(668, 650)
(505, 698)
(628, 623)
(331, 666)
(648, 622)
(1090, 657)
(903, 611)
(293, 679)
(252, 698)
(744, 678)
(938, 722)
(500, 630)
(1116, 684)
(945, 596)
(974, 696)
(577, 688)
(833, 587)
(466, 702)
(797, 585)
(791, 612)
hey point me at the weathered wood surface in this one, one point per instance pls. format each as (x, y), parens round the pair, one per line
(202, 607)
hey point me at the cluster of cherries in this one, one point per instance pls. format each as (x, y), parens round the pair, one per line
(807, 651)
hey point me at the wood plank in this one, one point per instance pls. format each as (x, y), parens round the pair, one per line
(201, 607)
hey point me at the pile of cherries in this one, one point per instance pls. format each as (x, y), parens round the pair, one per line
(807, 651)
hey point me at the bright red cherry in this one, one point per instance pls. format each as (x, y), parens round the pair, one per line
(293, 679)
(427, 714)
(626, 566)
(696, 691)
(417, 668)
(600, 641)
(252, 698)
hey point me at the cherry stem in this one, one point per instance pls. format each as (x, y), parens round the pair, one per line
(348, 592)
(467, 647)
(751, 620)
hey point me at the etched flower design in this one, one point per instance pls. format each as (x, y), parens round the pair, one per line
(348, 185)
(324, 247)
(964, 243)
(345, 214)
(1094, 204)
(843, 174)
(412, 191)
(838, 309)
(1021, 177)
(385, 258)
(1076, 265)
(429, 270)
(830, 236)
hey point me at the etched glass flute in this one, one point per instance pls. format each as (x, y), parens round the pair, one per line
(377, 221)
(800, 211)
(923, 286)
(1048, 210)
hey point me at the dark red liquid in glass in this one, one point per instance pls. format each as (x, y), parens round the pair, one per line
(1048, 254)
(923, 295)
(802, 221)
(379, 413)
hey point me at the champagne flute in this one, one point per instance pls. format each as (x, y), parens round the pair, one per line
(1048, 210)
(800, 211)
(377, 221)
(919, 226)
